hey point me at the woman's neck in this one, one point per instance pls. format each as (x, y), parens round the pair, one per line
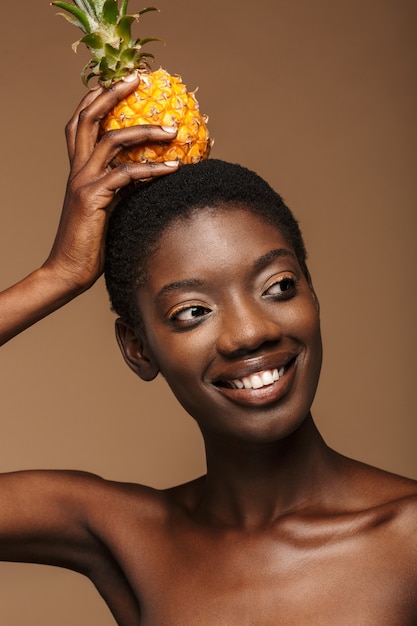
(251, 485)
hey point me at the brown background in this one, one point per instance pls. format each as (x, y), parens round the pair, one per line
(319, 96)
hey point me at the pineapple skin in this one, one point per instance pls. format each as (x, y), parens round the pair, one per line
(162, 99)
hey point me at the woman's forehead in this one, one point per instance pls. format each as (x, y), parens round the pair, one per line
(216, 236)
(199, 219)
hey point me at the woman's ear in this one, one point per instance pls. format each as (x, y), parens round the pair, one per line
(135, 351)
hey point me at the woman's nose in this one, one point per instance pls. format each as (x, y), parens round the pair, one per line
(246, 329)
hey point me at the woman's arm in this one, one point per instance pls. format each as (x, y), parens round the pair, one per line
(76, 259)
(45, 518)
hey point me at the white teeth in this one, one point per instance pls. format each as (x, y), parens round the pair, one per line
(256, 381)
(267, 378)
(247, 383)
(259, 380)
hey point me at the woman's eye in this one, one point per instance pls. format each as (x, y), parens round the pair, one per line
(189, 313)
(282, 287)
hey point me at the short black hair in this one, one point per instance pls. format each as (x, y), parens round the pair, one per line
(144, 213)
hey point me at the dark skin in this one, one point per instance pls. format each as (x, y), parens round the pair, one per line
(282, 529)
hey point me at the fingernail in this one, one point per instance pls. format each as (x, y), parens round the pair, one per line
(171, 163)
(130, 78)
(169, 129)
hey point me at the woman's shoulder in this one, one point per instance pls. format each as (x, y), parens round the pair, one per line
(128, 498)
(389, 497)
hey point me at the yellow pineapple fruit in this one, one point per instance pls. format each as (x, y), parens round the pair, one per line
(161, 98)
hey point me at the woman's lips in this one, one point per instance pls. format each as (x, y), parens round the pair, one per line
(260, 387)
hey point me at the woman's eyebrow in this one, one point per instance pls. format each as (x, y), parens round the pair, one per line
(190, 283)
(194, 283)
(270, 256)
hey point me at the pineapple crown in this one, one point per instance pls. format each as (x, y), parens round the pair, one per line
(108, 35)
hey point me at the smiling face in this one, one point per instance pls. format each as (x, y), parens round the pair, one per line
(232, 324)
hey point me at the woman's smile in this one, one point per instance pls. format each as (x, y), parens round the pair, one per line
(252, 384)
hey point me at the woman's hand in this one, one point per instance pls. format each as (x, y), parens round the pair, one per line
(78, 252)
(77, 256)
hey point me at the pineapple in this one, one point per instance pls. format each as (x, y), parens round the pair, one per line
(160, 98)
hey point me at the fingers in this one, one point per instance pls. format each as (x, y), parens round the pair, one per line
(114, 141)
(91, 157)
(129, 172)
(96, 182)
(83, 128)
(71, 127)
(102, 181)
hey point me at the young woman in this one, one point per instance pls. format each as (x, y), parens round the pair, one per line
(206, 269)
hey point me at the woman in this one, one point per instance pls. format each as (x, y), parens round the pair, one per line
(207, 270)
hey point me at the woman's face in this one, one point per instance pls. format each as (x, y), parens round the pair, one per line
(232, 324)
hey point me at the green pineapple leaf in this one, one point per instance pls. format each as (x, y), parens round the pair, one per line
(123, 8)
(110, 12)
(87, 7)
(96, 6)
(93, 41)
(128, 57)
(77, 16)
(143, 11)
(143, 42)
(111, 55)
(124, 28)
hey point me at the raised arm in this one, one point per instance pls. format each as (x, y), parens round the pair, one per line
(76, 259)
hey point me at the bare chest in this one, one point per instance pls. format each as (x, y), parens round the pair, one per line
(188, 579)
